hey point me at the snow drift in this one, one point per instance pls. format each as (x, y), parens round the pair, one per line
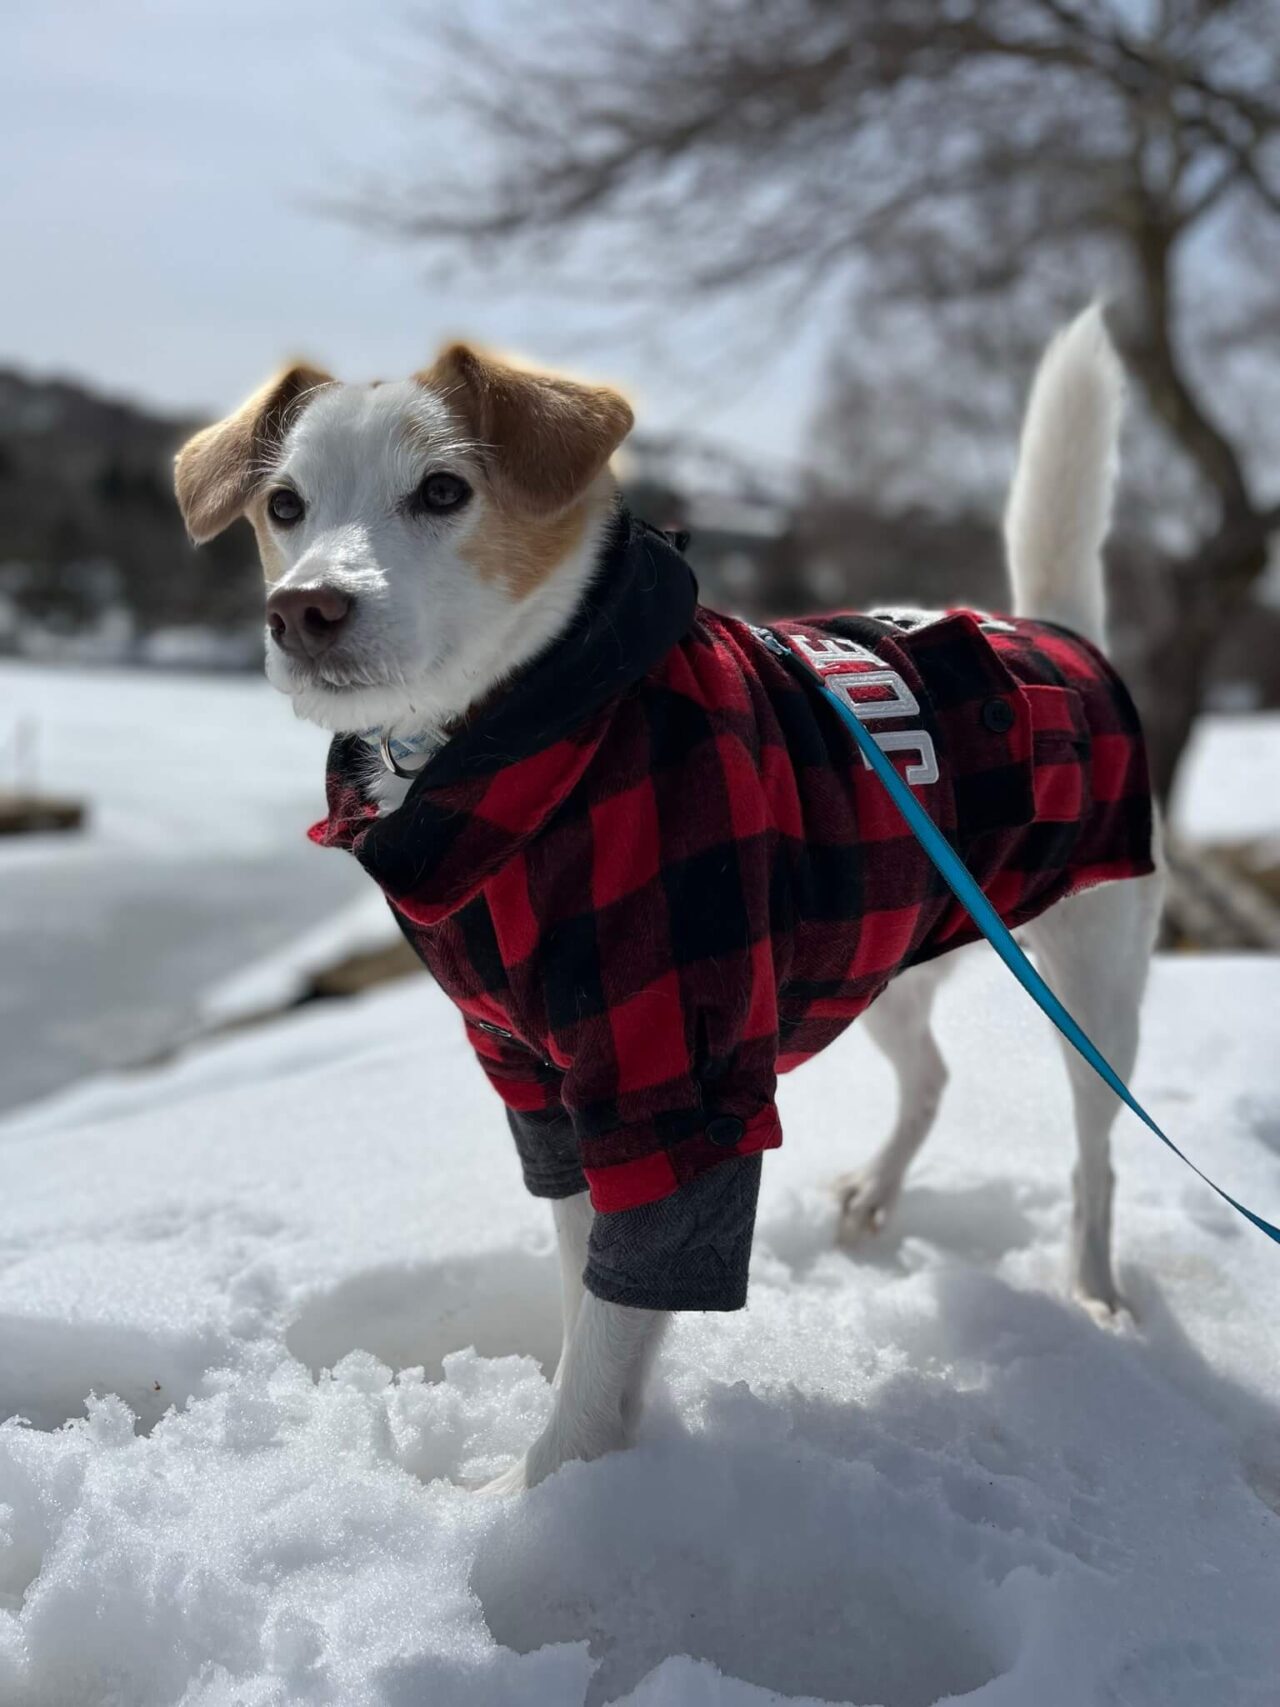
(299, 1273)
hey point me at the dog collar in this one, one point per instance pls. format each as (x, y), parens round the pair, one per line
(394, 750)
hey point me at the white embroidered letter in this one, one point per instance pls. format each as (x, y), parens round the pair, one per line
(910, 741)
(832, 649)
(902, 704)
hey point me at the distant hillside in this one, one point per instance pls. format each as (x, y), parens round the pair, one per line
(90, 538)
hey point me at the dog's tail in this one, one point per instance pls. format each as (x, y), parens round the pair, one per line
(1060, 503)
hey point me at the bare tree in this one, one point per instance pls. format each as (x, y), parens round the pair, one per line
(965, 163)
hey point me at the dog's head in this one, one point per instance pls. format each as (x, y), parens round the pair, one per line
(419, 539)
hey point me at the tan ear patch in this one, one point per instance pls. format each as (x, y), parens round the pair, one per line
(546, 439)
(218, 471)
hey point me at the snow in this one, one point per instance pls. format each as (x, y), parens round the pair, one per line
(1229, 786)
(194, 862)
(281, 978)
(299, 1271)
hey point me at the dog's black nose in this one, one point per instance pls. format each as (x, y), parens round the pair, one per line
(307, 620)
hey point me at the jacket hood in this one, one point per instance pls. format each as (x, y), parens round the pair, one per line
(498, 780)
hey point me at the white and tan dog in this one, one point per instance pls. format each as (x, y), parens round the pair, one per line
(423, 541)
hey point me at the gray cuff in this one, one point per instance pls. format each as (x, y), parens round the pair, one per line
(548, 1151)
(689, 1251)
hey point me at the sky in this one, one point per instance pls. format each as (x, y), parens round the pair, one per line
(163, 169)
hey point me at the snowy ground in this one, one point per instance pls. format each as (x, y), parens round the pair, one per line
(916, 1477)
(195, 862)
(1229, 784)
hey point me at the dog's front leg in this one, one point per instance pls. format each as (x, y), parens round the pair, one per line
(599, 1389)
(573, 1217)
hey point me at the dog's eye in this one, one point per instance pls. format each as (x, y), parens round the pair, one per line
(285, 507)
(441, 492)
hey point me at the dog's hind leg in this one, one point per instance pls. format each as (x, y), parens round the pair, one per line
(900, 1023)
(1095, 949)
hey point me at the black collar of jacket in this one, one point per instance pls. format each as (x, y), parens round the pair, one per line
(639, 604)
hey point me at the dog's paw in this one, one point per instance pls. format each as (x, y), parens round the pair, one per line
(512, 1481)
(1111, 1313)
(865, 1201)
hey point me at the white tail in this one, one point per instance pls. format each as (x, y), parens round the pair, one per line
(1060, 502)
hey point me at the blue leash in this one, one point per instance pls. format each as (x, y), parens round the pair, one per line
(964, 886)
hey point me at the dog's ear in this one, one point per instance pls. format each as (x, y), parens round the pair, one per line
(218, 471)
(547, 438)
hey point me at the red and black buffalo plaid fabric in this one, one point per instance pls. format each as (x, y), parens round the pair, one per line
(656, 873)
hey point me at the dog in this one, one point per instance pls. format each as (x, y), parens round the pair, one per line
(633, 844)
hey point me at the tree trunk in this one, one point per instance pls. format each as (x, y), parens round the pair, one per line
(1214, 591)
(1177, 668)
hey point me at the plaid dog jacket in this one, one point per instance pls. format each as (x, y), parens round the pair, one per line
(655, 873)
